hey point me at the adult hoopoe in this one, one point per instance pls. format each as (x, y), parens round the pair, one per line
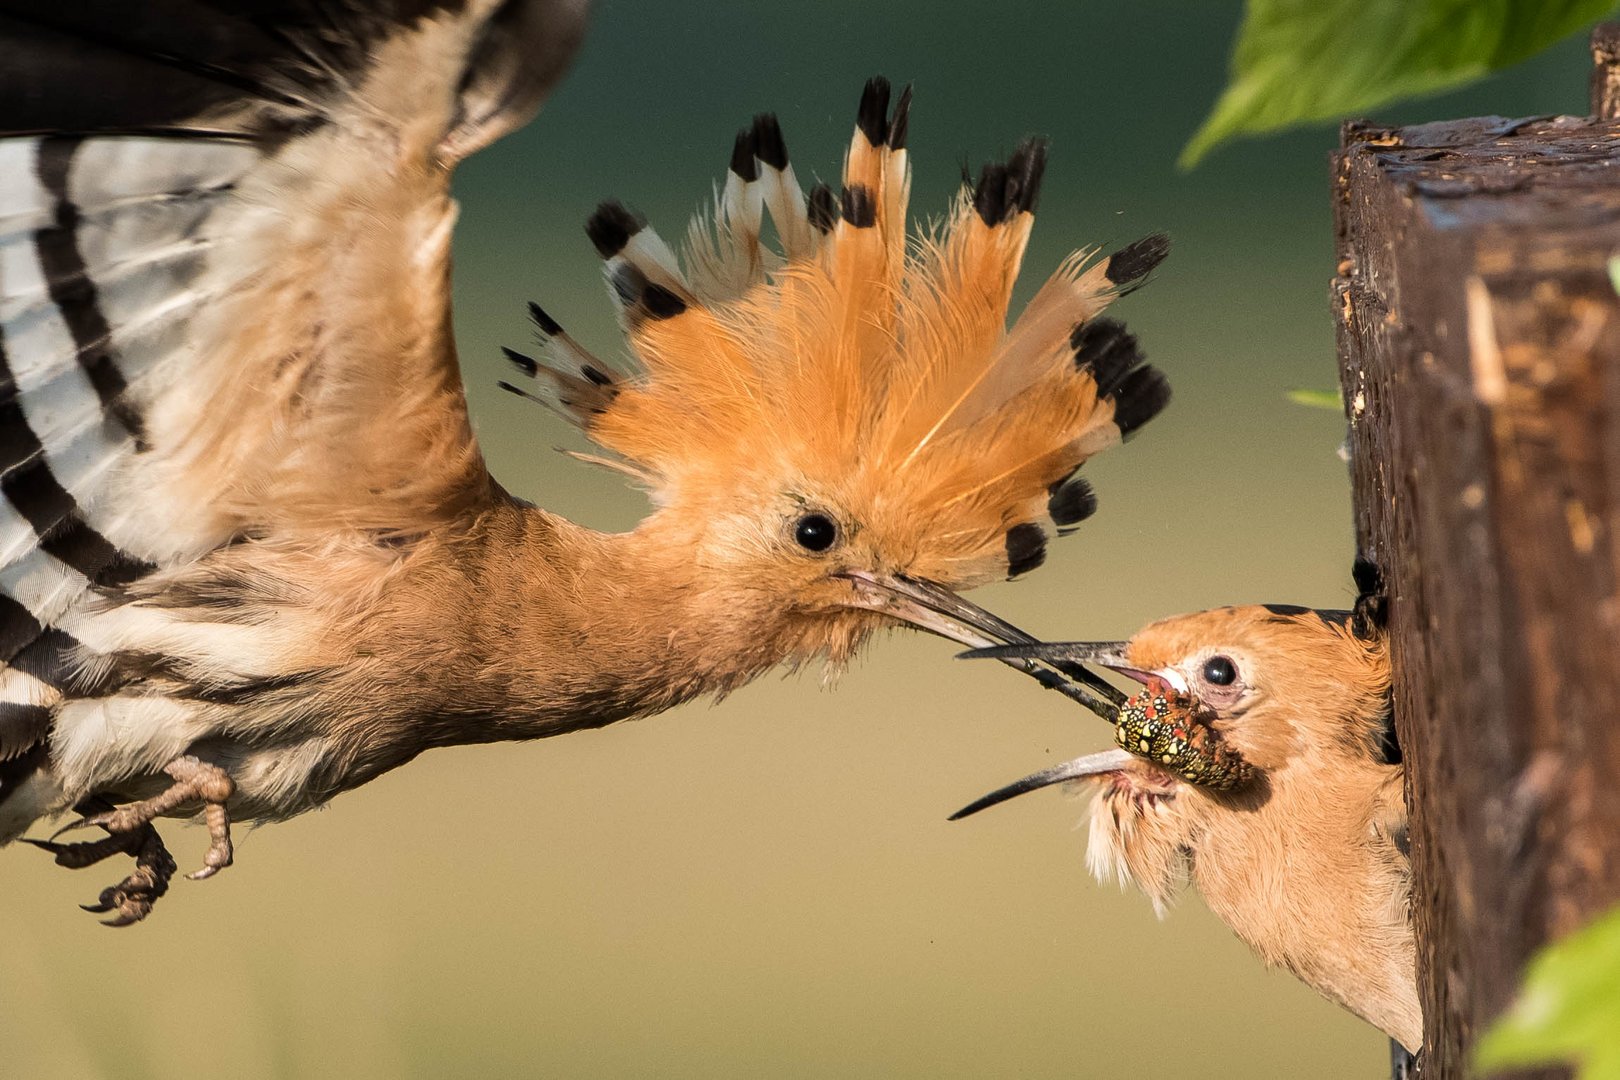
(250, 553)
(1259, 762)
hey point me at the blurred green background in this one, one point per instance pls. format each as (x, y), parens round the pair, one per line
(768, 887)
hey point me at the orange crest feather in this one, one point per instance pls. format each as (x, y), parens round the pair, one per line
(861, 367)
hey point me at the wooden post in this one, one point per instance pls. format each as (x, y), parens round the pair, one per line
(1479, 346)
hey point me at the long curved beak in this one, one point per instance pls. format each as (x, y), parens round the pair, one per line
(933, 608)
(1108, 654)
(1106, 761)
(938, 610)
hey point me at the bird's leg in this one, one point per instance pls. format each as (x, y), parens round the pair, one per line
(194, 781)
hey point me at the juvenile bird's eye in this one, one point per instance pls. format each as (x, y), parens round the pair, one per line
(1220, 671)
(815, 532)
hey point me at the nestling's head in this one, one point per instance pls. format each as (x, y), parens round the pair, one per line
(1236, 703)
(845, 431)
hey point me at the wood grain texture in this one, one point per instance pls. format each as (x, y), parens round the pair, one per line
(1606, 71)
(1479, 344)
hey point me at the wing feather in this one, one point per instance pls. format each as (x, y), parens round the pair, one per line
(224, 287)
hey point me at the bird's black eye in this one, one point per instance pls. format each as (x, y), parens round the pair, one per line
(1220, 671)
(815, 532)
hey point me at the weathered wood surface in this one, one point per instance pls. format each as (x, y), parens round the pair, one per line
(1479, 344)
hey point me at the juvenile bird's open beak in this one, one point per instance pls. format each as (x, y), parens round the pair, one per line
(938, 610)
(1106, 761)
(1067, 655)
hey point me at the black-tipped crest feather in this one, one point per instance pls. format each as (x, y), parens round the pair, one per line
(1106, 349)
(526, 364)
(873, 116)
(1071, 501)
(611, 226)
(1114, 358)
(825, 230)
(769, 145)
(1370, 616)
(1025, 169)
(1005, 190)
(1133, 262)
(823, 208)
(858, 207)
(990, 194)
(1026, 548)
(1141, 396)
(743, 164)
(900, 125)
(660, 303)
(546, 324)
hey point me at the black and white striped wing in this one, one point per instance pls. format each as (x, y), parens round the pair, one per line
(224, 284)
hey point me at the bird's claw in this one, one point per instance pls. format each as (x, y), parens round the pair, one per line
(218, 858)
(85, 822)
(133, 897)
(220, 853)
(86, 853)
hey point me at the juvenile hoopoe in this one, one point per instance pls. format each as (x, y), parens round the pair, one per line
(250, 553)
(1259, 762)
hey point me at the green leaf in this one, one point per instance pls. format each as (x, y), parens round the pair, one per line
(1303, 60)
(1317, 399)
(1614, 273)
(1568, 1009)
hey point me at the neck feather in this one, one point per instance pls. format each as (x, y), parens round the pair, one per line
(559, 628)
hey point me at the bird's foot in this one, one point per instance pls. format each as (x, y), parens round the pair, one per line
(194, 781)
(130, 831)
(133, 897)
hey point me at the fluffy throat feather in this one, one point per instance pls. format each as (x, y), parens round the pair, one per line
(1142, 832)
